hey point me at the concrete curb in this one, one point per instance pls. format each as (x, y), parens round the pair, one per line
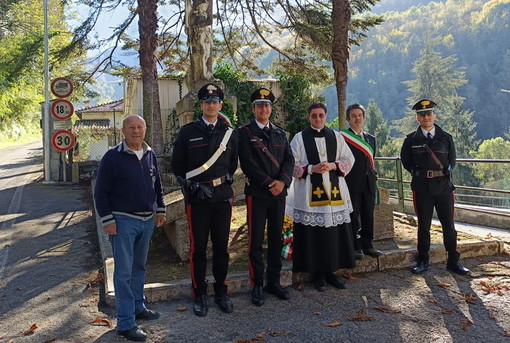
(240, 283)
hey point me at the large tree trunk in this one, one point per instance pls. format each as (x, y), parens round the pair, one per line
(341, 18)
(147, 28)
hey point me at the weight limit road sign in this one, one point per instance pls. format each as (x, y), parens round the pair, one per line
(62, 109)
(62, 140)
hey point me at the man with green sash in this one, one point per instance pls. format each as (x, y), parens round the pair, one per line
(319, 201)
(361, 182)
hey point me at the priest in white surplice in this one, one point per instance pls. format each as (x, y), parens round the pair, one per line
(319, 201)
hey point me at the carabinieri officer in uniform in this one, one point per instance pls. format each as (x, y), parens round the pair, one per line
(204, 160)
(429, 155)
(267, 161)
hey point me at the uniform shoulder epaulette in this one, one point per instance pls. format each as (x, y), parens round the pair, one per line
(278, 127)
(412, 133)
(188, 124)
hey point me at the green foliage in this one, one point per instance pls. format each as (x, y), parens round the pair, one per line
(292, 105)
(22, 63)
(387, 169)
(237, 85)
(385, 59)
(376, 124)
(495, 148)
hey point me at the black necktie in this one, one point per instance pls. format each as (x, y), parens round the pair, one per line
(429, 136)
(266, 130)
(210, 127)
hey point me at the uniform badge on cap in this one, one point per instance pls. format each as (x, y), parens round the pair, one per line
(262, 95)
(210, 91)
(424, 105)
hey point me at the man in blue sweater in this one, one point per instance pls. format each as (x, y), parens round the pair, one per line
(129, 200)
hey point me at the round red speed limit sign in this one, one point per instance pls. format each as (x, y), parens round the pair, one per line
(61, 87)
(62, 109)
(62, 140)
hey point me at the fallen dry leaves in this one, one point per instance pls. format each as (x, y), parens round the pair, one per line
(444, 284)
(101, 322)
(492, 288)
(466, 324)
(261, 337)
(335, 323)
(300, 287)
(32, 329)
(469, 298)
(97, 279)
(507, 334)
(349, 277)
(181, 308)
(359, 317)
(386, 310)
(447, 311)
(53, 339)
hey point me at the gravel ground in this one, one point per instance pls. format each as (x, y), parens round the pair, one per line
(391, 306)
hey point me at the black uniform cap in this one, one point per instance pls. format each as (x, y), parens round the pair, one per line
(424, 106)
(263, 95)
(210, 91)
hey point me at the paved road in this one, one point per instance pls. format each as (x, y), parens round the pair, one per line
(49, 253)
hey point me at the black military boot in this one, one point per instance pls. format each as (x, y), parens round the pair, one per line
(453, 264)
(422, 264)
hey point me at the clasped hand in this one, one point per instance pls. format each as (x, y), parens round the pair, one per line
(323, 167)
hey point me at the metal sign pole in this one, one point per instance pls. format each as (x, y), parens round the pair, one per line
(64, 166)
(46, 112)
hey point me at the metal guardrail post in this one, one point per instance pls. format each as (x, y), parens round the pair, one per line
(400, 184)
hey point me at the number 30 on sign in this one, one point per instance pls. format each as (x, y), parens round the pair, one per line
(63, 140)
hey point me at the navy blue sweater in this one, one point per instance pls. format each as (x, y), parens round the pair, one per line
(129, 186)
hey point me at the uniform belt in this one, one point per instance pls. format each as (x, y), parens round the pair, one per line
(429, 173)
(214, 182)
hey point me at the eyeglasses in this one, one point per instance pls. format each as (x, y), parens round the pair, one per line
(262, 102)
(211, 99)
(424, 113)
(320, 115)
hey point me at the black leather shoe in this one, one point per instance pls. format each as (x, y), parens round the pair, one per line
(278, 290)
(372, 252)
(224, 303)
(358, 255)
(257, 296)
(200, 306)
(420, 267)
(147, 315)
(320, 284)
(458, 268)
(334, 281)
(134, 334)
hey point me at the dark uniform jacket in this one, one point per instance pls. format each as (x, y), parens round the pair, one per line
(362, 177)
(194, 145)
(417, 160)
(257, 166)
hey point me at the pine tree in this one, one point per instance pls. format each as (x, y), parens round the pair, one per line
(376, 124)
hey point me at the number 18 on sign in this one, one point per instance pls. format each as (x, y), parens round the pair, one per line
(62, 140)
